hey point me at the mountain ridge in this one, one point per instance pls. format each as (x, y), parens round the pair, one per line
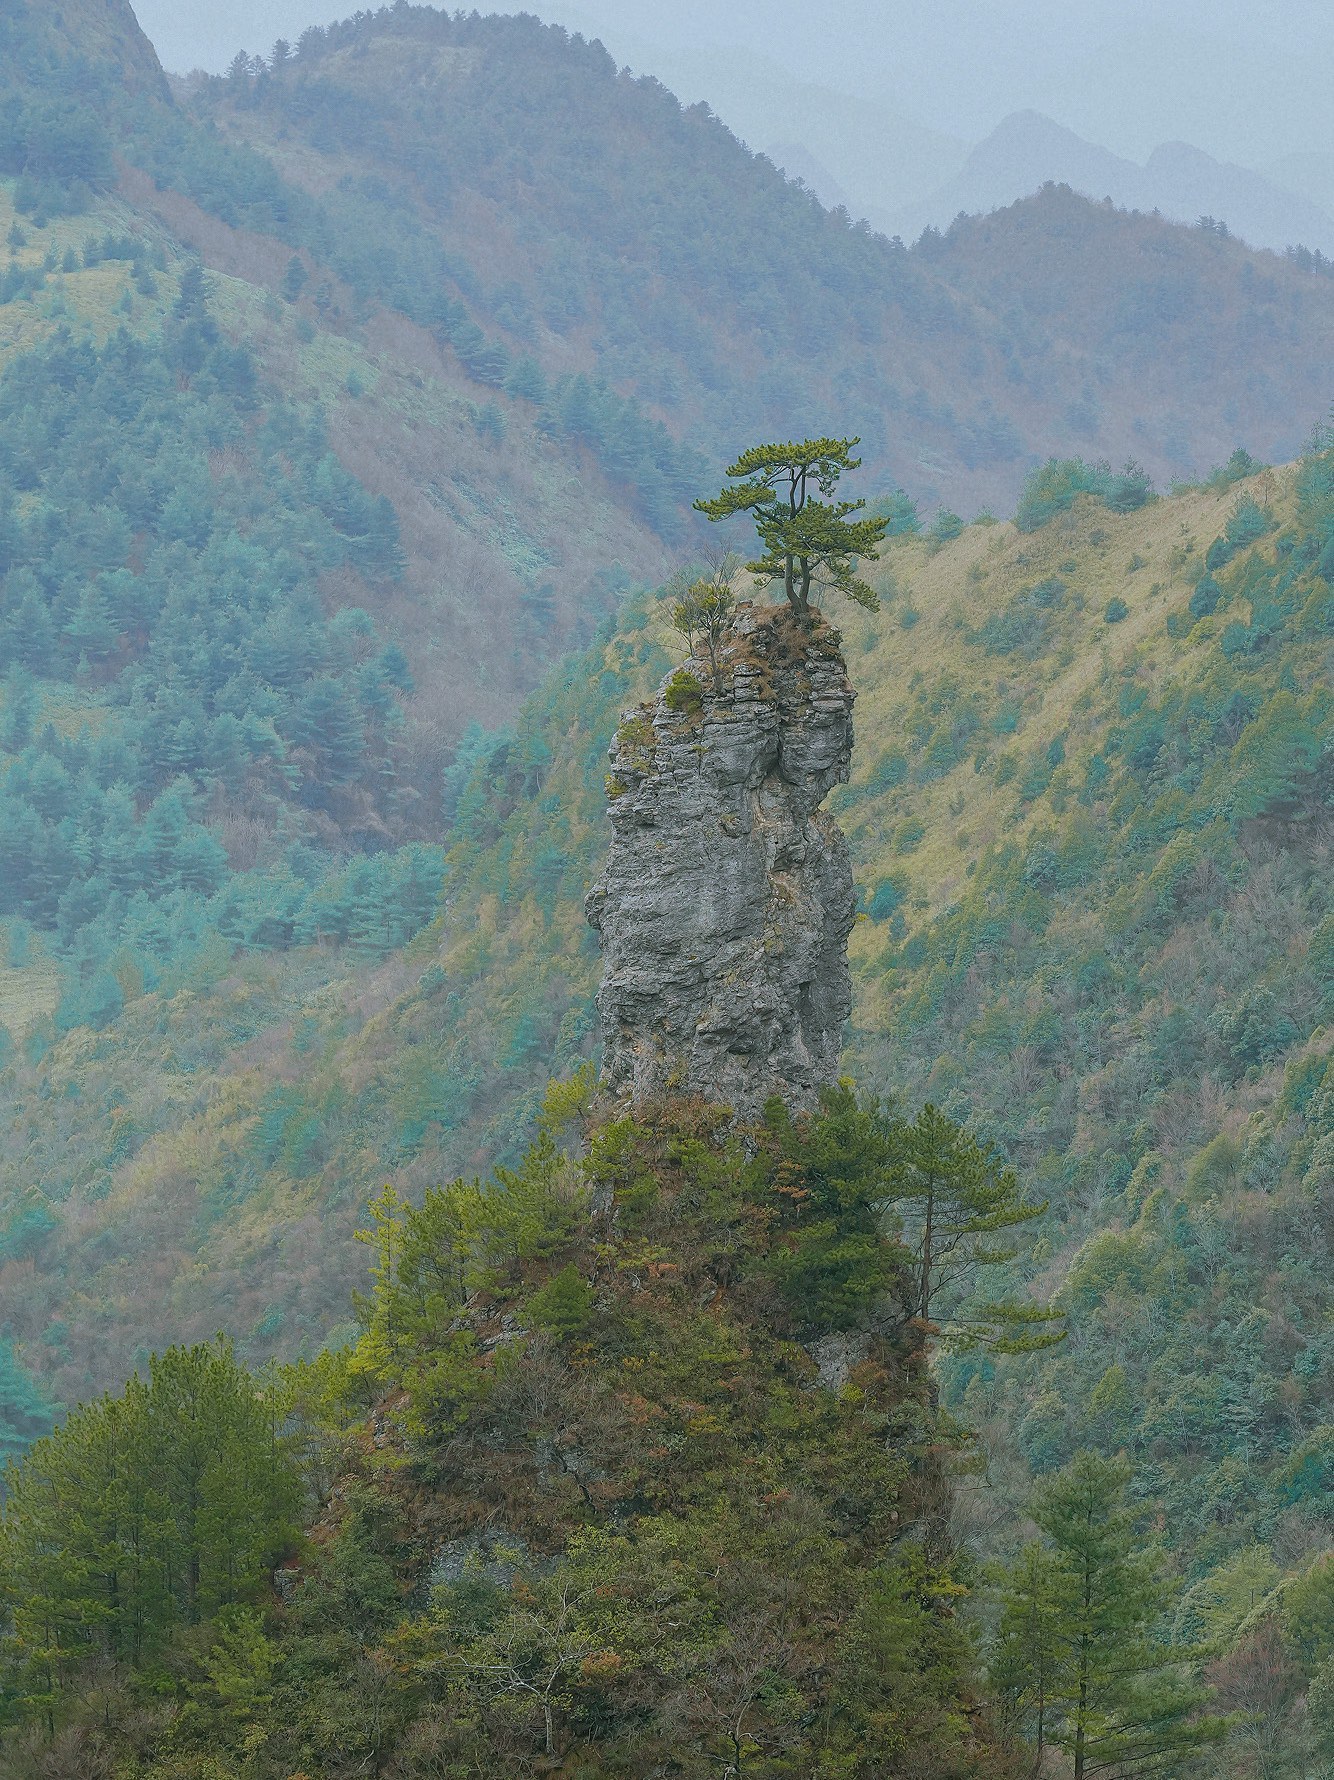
(1027, 150)
(102, 38)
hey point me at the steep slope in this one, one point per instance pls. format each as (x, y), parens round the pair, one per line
(201, 601)
(89, 47)
(1088, 847)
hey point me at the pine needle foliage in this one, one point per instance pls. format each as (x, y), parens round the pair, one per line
(1080, 1651)
(807, 543)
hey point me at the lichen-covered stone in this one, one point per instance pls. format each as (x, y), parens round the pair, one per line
(727, 901)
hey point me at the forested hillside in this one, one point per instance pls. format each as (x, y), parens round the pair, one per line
(574, 233)
(279, 524)
(1090, 820)
(350, 407)
(1046, 716)
(609, 1512)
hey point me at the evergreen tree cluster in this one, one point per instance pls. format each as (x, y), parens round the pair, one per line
(143, 1513)
(633, 1465)
(52, 133)
(1055, 485)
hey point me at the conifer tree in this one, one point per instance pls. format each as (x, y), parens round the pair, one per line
(142, 1512)
(1077, 1651)
(1027, 1664)
(808, 543)
(956, 1198)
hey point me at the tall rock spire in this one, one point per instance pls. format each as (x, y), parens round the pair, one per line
(727, 901)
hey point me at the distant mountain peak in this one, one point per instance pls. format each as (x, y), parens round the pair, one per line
(1030, 125)
(1028, 149)
(798, 162)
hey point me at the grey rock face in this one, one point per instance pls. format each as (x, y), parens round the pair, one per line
(727, 901)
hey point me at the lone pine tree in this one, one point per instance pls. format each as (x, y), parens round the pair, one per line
(808, 543)
(956, 1199)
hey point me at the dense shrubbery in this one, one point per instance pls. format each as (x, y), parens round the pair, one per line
(1025, 626)
(1055, 487)
(25, 1411)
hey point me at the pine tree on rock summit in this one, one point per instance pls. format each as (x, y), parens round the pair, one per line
(808, 543)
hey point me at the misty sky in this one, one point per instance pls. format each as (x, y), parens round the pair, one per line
(1247, 81)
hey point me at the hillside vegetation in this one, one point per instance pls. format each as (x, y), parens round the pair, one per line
(656, 1538)
(417, 479)
(1090, 845)
(584, 235)
(339, 397)
(631, 1498)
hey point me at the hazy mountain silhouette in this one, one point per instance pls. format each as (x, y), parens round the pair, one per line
(1182, 182)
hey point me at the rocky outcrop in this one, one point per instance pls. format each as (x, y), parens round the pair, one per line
(727, 898)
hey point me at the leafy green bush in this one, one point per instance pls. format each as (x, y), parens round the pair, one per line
(1219, 554)
(1025, 625)
(684, 694)
(890, 769)
(887, 898)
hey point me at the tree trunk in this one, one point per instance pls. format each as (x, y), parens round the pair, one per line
(928, 1239)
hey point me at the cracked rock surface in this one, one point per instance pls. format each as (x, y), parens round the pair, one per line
(727, 900)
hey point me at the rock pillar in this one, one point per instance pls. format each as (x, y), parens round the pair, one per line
(727, 900)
